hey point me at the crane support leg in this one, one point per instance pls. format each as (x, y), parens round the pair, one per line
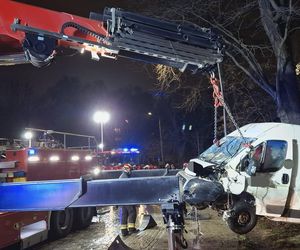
(173, 214)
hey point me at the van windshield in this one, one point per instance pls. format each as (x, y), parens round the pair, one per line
(228, 148)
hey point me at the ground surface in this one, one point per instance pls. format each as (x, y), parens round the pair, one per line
(214, 235)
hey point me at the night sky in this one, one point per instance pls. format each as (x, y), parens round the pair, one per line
(113, 73)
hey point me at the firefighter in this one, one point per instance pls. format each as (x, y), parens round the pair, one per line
(128, 213)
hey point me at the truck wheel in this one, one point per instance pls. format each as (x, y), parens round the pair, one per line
(61, 223)
(243, 219)
(83, 217)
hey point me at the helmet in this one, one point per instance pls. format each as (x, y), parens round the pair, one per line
(127, 167)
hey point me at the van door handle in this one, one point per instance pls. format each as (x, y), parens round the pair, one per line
(285, 179)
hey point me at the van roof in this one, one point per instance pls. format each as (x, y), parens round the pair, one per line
(254, 130)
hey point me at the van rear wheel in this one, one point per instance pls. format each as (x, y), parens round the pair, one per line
(243, 218)
(61, 223)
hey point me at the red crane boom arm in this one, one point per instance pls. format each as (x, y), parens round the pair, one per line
(36, 35)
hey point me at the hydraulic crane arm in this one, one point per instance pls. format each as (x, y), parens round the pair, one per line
(36, 35)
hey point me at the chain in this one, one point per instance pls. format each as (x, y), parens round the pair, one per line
(219, 101)
(215, 125)
(222, 92)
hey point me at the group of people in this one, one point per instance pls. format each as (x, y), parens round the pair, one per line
(169, 166)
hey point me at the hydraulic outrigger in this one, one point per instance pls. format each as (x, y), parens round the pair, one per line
(36, 35)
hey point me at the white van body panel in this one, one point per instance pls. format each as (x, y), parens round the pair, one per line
(273, 198)
(277, 193)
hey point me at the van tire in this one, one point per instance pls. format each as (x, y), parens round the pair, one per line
(83, 217)
(61, 223)
(243, 218)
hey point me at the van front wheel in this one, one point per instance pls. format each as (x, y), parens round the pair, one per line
(243, 218)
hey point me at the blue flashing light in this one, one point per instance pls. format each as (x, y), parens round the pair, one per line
(32, 151)
(125, 149)
(134, 150)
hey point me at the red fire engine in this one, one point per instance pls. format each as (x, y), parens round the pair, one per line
(116, 158)
(34, 35)
(46, 159)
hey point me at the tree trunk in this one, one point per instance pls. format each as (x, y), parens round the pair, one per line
(277, 30)
(288, 97)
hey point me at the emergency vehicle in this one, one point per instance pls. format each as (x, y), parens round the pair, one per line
(45, 159)
(116, 158)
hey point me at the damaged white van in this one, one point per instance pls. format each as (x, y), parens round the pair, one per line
(246, 176)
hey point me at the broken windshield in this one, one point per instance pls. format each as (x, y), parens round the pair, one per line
(228, 148)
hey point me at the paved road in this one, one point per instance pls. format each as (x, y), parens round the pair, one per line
(214, 234)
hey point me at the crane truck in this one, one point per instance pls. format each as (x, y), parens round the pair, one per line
(251, 172)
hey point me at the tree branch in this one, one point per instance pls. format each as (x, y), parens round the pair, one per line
(265, 87)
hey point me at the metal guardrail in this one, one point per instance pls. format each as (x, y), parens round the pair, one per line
(91, 140)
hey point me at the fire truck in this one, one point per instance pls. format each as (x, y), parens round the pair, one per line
(29, 34)
(116, 158)
(44, 158)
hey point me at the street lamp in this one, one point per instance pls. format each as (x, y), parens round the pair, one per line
(28, 136)
(101, 117)
(160, 138)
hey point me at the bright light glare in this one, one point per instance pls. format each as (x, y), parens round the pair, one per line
(149, 113)
(82, 50)
(34, 158)
(101, 117)
(96, 171)
(28, 135)
(54, 158)
(75, 158)
(101, 145)
(31, 151)
(88, 158)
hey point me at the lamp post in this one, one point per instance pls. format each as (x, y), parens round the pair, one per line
(160, 138)
(28, 136)
(101, 117)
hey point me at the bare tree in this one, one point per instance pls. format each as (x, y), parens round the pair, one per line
(260, 38)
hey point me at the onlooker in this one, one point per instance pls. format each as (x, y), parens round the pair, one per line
(167, 166)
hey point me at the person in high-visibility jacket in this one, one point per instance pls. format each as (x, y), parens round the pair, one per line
(128, 213)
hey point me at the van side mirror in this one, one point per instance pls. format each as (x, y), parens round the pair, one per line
(245, 163)
(249, 165)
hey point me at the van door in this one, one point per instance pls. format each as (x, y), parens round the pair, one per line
(271, 181)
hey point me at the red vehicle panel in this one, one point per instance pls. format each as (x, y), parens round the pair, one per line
(11, 224)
